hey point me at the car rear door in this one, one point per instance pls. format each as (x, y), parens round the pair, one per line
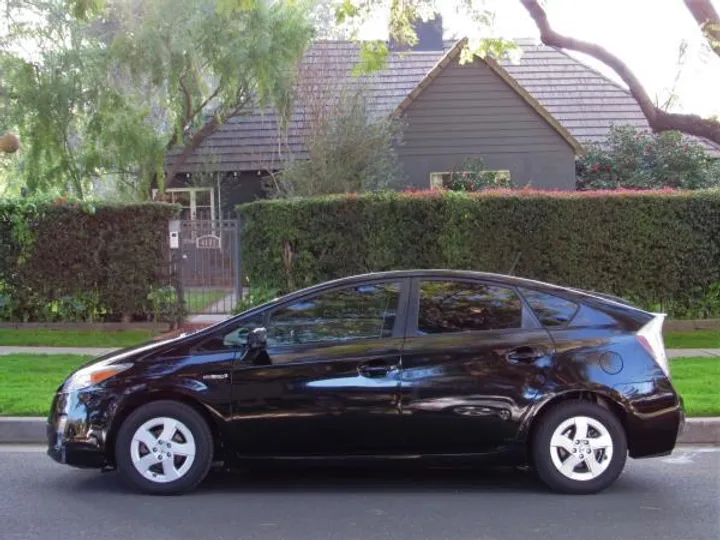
(473, 361)
(328, 382)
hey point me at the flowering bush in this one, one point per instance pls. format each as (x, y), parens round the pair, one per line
(474, 176)
(635, 160)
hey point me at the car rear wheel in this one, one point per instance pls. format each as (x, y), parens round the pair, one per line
(164, 448)
(579, 448)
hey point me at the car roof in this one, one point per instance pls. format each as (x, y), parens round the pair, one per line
(513, 281)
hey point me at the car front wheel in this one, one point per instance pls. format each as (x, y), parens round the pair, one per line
(164, 448)
(579, 448)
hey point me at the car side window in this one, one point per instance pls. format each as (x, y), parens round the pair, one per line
(457, 306)
(231, 339)
(358, 312)
(550, 310)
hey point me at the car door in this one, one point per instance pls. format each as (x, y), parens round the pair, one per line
(328, 381)
(473, 361)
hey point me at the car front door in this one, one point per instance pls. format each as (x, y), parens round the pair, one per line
(328, 381)
(472, 362)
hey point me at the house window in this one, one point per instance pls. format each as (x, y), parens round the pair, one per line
(196, 203)
(441, 180)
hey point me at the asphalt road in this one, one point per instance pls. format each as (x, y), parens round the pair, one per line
(668, 498)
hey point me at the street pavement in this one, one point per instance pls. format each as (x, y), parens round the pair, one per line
(676, 497)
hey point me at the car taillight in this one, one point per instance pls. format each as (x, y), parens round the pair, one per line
(650, 337)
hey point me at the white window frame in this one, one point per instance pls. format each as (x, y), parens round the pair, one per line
(437, 180)
(193, 198)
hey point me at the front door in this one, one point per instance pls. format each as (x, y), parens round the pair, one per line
(328, 382)
(472, 362)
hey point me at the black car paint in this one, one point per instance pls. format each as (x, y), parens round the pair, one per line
(405, 396)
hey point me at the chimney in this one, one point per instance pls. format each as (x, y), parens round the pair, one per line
(429, 33)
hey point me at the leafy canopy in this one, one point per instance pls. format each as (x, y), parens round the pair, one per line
(100, 91)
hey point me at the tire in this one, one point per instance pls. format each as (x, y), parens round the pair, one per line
(151, 464)
(569, 462)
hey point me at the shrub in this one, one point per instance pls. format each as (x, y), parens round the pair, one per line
(65, 260)
(474, 176)
(659, 248)
(636, 160)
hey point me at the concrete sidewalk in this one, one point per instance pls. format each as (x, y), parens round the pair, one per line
(98, 351)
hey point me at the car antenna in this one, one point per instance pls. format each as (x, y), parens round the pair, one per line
(514, 264)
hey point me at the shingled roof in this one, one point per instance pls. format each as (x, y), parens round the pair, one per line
(583, 101)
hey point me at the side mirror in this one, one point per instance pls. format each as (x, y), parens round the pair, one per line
(257, 339)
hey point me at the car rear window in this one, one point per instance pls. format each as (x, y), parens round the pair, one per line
(550, 310)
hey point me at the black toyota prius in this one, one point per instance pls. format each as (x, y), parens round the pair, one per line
(424, 365)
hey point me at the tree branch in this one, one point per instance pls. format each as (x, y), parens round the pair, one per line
(658, 119)
(196, 140)
(708, 20)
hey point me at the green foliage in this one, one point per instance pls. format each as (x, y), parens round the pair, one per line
(165, 304)
(64, 260)
(259, 294)
(636, 160)
(474, 176)
(404, 14)
(348, 151)
(661, 249)
(109, 90)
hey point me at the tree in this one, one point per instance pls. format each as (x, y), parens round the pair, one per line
(404, 12)
(110, 91)
(347, 149)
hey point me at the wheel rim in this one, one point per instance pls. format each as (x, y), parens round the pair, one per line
(163, 450)
(581, 448)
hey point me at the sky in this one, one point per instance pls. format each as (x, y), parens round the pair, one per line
(646, 34)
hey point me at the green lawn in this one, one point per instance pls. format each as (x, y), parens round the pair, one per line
(697, 339)
(73, 338)
(27, 383)
(697, 380)
(197, 301)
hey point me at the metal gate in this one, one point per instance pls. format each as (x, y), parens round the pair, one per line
(210, 268)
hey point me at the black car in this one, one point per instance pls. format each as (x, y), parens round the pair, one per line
(433, 365)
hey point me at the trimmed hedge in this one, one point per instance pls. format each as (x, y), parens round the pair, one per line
(62, 260)
(660, 248)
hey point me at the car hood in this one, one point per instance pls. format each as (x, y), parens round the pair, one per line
(136, 351)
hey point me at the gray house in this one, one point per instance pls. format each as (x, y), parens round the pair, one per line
(528, 120)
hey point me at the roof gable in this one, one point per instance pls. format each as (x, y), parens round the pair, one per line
(575, 99)
(454, 53)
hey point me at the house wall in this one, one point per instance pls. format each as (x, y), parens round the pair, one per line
(469, 111)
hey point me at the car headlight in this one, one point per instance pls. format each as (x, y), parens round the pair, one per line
(92, 375)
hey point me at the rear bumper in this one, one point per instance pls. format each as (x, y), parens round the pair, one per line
(655, 434)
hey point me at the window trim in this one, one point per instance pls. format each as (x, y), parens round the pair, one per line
(563, 326)
(434, 176)
(528, 320)
(398, 328)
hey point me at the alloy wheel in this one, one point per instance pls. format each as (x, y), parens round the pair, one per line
(163, 449)
(581, 448)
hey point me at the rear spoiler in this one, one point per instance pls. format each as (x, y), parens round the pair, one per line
(607, 296)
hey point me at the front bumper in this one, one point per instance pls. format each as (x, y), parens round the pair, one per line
(77, 430)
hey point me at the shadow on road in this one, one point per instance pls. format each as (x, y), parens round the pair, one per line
(338, 480)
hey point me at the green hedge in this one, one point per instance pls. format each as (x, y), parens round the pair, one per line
(63, 260)
(661, 249)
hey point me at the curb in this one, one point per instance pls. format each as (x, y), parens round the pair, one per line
(31, 430)
(23, 430)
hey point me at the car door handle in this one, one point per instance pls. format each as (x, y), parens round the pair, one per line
(524, 354)
(375, 368)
